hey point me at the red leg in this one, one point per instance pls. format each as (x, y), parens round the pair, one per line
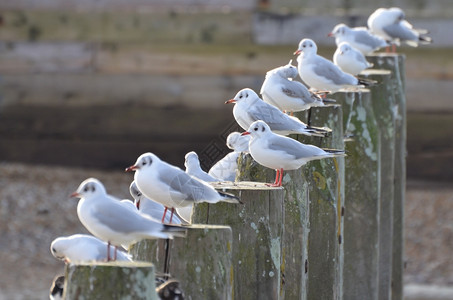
(281, 178)
(165, 212)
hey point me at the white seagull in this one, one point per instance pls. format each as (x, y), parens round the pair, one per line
(391, 25)
(225, 169)
(322, 74)
(282, 153)
(112, 221)
(83, 248)
(350, 60)
(193, 168)
(250, 108)
(150, 207)
(171, 186)
(359, 38)
(280, 90)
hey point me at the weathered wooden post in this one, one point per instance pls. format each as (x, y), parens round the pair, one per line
(112, 280)
(201, 261)
(257, 227)
(383, 104)
(325, 186)
(395, 64)
(361, 222)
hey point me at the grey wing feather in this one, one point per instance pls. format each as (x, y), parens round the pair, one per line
(185, 186)
(333, 73)
(366, 38)
(124, 220)
(296, 90)
(293, 147)
(398, 31)
(276, 119)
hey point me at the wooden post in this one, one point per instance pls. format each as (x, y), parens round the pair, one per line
(325, 186)
(201, 261)
(395, 63)
(257, 227)
(383, 104)
(113, 280)
(361, 222)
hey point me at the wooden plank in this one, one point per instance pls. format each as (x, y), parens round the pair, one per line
(202, 261)
(361, 221)
(113, 280)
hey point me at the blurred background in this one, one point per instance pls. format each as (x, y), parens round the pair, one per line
(86, 86)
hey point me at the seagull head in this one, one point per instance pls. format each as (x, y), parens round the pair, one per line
(191, 160)
(238, 142)
(339, 30)
(243, 95)
(344, 47)
(88, 188)
(258, 129)
(306, 46)
(58, 247)
(144, 161)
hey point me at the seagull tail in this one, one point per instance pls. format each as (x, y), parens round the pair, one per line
(425, 40)
(317, 131)
(328, 100)
(175, 230)
(230, 198)
(335, 152)
(366, 82)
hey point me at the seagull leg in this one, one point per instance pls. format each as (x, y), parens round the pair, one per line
(108, 251)
(172, 212)
(114, 255)
(165, 212)
(281, 178)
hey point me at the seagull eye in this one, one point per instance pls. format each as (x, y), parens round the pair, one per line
(53, 250)
(93, 188)
(240, 97)
(143, 163)
(303, 45)
(256, 128)
(86, 189)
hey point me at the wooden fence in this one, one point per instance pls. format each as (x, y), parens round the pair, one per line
(333, 231)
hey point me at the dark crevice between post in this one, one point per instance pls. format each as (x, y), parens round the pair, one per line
(167, 258)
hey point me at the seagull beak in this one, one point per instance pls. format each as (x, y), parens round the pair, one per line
(297, 52)
(75, 195)
(230, 101)
(131, 168)
(330, 34)
(245, 133)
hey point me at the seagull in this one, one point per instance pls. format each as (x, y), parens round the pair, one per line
(57, 287)
(322, 74)
(359, 38)
(171, 186)
(237, 142)
(350, 60)
(280, 152)
(110, 220)
(82, 248)
(150, 207)
(193, 168)
(286, 94)
(249, 108)
(225, 169)
(391, 25)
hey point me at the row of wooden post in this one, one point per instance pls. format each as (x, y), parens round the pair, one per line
(334, 231)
